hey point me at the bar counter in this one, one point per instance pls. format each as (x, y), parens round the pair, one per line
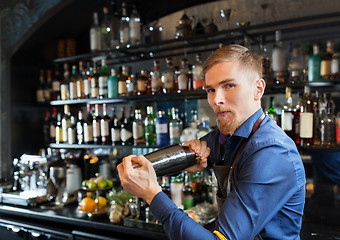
(69, 223)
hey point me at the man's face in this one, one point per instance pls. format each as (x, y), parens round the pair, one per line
(231, 94)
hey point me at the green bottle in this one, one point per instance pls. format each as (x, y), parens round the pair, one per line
(150, 127)
(314, 63)
(112, 85)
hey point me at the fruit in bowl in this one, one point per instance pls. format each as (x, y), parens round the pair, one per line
(97, 183)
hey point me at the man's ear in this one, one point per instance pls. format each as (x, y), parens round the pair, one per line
(260, 87)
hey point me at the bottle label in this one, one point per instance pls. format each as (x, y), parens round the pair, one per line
(335, 66)
(115, 135)
(287, 121)
(279, 60)
(47, 95)
(182, 82)
(176, 193)
(155, 82)
(80, 88)
(94, 92)
(104, 128)
(80, 132)
(168, 81)
(95, 39)
(141, 86)
(188, 201)
(40, 95)
(125, 135)
(103, 85)
(122, 87)
(71, 133)
(88, 133)
(326, 68)
(65, 124)
(56, 86)
(58, 135)
(124, 35)
(137, 131)
(161, 128)
(73, 90)
(174, 132)
(306, 125)
(135, 32)
(87, 87)
(52, 131)
(63, 91)
(96, 129)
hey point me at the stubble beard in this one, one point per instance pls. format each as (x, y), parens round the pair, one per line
(230, 126)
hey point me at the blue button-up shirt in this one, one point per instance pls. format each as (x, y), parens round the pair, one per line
(269, 193)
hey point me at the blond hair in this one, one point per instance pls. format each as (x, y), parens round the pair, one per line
(247, 59)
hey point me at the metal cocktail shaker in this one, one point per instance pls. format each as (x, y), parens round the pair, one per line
(171, 159)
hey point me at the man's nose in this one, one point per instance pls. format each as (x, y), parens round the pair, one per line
(219, 97)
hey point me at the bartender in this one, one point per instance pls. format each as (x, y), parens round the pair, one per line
(261, 178)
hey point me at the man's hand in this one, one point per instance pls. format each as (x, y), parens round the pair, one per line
(202, 151)
(141, 181)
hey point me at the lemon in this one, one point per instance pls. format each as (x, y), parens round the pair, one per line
(102, 184)
(91, 185)
(101, 201)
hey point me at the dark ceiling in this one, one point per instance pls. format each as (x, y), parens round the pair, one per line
(75, 20)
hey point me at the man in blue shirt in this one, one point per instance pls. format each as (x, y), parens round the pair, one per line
(261, 179)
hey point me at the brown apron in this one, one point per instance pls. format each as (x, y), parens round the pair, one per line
(224, 174)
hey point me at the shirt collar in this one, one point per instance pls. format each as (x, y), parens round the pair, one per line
(245, 129)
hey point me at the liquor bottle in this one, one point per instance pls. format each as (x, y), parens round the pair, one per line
(176, 187)
(265, 61)
(115, 128)
(197, 74)
(115, 21)
(175, 127)
(105, 26)
(88, 127)
(319, 110)
(80, 81)
(272, 112)
(162, 130)
(184, 79)
(102, 81)
(135, 26)
(124, 27)
(296, 121)
(314, 63)
(58, 130)
(40, 89)
(52, 125)
(126, 130)
(112, 85)
(131, 85)
(150, 129)
(166, 186)
(326, 62)
(48, 86)
(194, 122)
(296, 66)
(287, 115)
(96, 118)
(80, 128)
(306, 119)
(105, 126)
(95, 34)
(46, 127)
(196, 183)
(87, 81)
(279, 60)
(138, 132)
(188, 193)
(122, 87)
(66, 122)
(55, 95)
(156, 83)
(94, 81)
(203, 127)
(71, 131)
(328, 125)
(142, 83)
(64, 92)
(168, 80)
(335, 69)
(72, 86)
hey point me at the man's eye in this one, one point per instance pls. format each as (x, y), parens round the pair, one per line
(209, 90)
(229, 85)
